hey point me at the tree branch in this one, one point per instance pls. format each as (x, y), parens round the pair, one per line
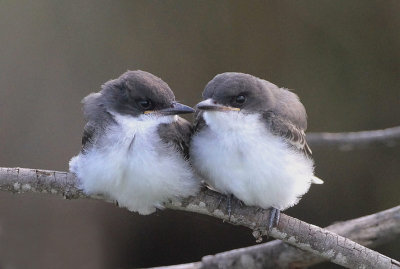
(352, 140)
(320, 242)
(371, 231)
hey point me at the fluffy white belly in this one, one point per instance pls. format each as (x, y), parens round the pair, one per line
(237, 154)
(133, 166)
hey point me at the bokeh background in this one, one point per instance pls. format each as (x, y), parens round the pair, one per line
(341, 57)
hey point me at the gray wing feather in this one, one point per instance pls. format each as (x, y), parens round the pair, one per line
(98, 118)
(88, 137)
(199, 121)
(293, 135)
(178, 133)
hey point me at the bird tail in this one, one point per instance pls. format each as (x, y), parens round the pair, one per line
(316, 180)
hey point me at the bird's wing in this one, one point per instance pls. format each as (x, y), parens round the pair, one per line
(293, 135)
(97, 116)
(178, 133)
(199, 121)
(88, 137)
(95, 127)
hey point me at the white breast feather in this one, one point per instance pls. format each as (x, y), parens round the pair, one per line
(237, 154)
(141, 176)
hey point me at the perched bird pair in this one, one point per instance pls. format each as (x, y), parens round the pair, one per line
(248, 141)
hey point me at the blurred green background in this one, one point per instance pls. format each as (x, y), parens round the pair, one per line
(341, 57)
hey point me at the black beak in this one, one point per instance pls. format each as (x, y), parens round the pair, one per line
(176, 109)
(209, 104)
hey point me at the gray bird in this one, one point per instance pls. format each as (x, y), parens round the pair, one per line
(134, 146)
(249, 142)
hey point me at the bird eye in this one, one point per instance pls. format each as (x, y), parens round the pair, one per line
(145, 104)
(240, 99)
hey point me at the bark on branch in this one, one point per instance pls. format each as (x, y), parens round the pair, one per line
(310, 238)
(370, 231)
(352, 140)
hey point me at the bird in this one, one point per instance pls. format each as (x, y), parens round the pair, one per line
(249, 142)
(134, 146)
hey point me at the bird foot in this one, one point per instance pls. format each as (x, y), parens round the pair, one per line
(230, 199)
(229, 205)
(273, 219)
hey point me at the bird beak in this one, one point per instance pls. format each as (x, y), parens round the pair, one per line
(175, 109)
(210, 104)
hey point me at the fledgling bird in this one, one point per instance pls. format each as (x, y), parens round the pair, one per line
(249, 141)
(134, 146)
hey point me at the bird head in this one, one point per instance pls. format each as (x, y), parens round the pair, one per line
(137, 92)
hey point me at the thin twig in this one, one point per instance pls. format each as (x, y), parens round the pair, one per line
(313, 239)
(352, 140)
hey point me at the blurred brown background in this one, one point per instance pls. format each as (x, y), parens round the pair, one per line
(341, 57)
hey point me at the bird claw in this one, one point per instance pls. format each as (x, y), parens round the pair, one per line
(222, 196)
(273, 219)
(229, 198)
(229, 206)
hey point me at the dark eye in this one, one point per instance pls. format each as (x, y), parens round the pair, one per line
(145, 104)
(240, 99)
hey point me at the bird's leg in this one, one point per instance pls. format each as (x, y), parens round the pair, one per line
(241, 204)
(273, 219)
(229, 205)
(222, 196)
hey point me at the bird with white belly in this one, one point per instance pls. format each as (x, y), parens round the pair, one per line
(249, 141)
(134, 146)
